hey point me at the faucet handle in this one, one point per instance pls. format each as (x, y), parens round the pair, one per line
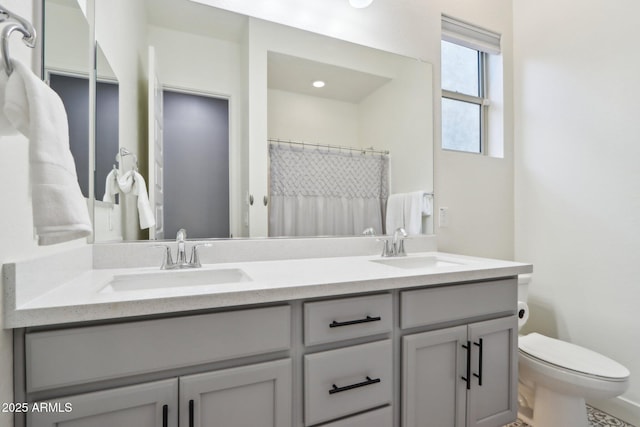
(195, 257)
(400, 249)
(167, 260)
(386, 250)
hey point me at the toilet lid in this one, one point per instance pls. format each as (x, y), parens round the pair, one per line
(570, 356)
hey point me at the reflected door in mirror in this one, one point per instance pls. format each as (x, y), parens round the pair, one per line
(196, 164)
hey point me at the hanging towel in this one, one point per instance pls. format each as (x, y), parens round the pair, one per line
(130, 183)
(111, 186)
(145, 214)
(416, 205)
(60, 212)
(395, 213)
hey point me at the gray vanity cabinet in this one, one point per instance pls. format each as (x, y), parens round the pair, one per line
(145, 405)
(256, 395)
(461, 376)
(441, 355)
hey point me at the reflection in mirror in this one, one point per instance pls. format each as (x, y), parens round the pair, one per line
(67, 69)
(245, 62)
(339, 183)
(107, 146)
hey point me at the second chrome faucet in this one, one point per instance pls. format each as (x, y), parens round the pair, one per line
(397, 244)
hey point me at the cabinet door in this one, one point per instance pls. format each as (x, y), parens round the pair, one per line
(434, 393)
(255, 395)
(145, 405)
(492, 400)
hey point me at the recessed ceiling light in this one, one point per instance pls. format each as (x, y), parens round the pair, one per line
(318, 83)
(360, 4)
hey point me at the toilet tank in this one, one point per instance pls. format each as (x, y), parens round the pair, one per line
(523, 287)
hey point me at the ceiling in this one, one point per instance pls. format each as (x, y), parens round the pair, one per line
(295, 74)
(195, 18)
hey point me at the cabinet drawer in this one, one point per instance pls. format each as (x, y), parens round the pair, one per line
(447, 303)
(346, 318)
(346, 381)
(95, 353)
(379, 418)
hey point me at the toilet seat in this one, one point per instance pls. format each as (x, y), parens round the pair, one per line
(571, 357)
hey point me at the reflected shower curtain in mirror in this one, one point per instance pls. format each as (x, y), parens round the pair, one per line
(325, 192)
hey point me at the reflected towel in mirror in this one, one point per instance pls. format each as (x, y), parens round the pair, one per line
(132, 183)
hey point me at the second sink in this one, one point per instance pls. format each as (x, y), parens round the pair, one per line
(409, 262)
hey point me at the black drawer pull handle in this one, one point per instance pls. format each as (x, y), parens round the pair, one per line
(191, 413)
(367, 319)
(165, 415)
(466, 379)
(369, 381)
(479, 374)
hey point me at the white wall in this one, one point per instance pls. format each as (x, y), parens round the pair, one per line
(577, 174)
(478, 190)
(398, 118)
(297, 117)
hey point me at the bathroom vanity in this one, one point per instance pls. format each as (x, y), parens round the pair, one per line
(347, 341)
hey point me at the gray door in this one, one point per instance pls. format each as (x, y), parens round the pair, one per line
(196, 165)
(249, 396)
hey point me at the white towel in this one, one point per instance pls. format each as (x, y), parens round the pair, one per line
(111, 186)
(131, 183)
(395, 213)
(145, 214)
(60, 213)
(416, 204)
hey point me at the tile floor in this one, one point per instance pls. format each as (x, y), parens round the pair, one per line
(596, 419)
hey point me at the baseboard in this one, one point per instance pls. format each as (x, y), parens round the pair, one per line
(621, 408)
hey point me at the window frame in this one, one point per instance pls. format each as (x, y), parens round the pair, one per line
(484, 42)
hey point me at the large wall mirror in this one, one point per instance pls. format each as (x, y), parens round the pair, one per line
(214, 115)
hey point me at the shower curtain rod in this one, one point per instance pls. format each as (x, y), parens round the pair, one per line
(333, 147)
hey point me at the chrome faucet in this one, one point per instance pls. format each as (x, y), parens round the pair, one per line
(181, 256)
(397, 244)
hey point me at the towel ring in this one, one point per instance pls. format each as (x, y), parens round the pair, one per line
(21, 25)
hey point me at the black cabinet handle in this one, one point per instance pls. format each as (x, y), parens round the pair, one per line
(479, 374)
(369, 381)
(191, 413)
(466, 379)
(367, 319)
(165, 415)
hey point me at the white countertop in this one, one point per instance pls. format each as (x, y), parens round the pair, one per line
(84, 295)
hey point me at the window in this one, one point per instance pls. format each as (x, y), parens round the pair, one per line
(465, 101)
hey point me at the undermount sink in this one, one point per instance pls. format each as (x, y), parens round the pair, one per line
(175, 279)
(409, 262)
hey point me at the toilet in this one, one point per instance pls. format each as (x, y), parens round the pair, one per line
(555, 377)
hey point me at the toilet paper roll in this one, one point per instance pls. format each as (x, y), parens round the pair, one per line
(523, 314)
